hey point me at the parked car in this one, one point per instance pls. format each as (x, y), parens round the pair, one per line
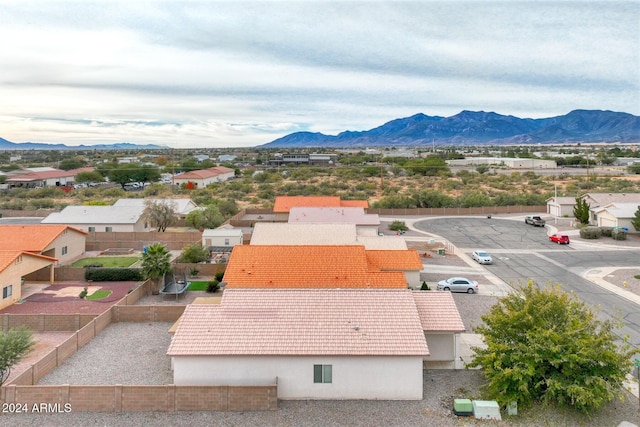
(482, 257)
(561, 239)
(458, 284)
(534, 220)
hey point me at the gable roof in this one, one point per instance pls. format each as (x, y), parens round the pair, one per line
(438, 311)
(47, 174)
(303, 322)
(601, 199)
(205, 173)
(96, 215)
(620, 210)
(340, 215)
(322, 266)
(284, 204)
(8, 257)
(31, 237)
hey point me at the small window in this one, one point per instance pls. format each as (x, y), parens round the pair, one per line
(65, 250)
(108, 229)
(92, 229)
(322, 373)
(7, 291)
(226, 242)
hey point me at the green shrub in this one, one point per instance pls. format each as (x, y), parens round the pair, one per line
(213, 286)
(219, 276)
(606, 231)
(93, 265)
(113, 274)
(83, 293)
(590, 233)
(618, 234)
(425, 287)
(398, 226)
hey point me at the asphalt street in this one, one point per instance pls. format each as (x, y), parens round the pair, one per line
(522, 252)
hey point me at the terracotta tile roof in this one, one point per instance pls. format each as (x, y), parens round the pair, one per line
(386, 260)
(204, 173)
(32, 238)
(303, 322)
(7, 257)
(36, 176)
(285, 203)
(438, 311)
(323, 266)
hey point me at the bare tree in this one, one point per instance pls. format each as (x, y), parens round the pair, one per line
(160, 214)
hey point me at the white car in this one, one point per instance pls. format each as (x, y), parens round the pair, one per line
(458, 284)
(482, 257)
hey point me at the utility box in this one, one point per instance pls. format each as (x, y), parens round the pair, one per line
(463, 407)
(486, 410)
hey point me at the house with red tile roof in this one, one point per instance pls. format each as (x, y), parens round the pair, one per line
(45, 178)
(27, 248)
(62, 242)
(14, 265)
(283, 204)
(203, 177)
(319, 266)
(315, 343)
(366, 224)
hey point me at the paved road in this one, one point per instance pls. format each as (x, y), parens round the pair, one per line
(522, 252)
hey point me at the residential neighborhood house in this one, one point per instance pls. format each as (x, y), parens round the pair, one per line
(203, 177)
(101, 218)
(283, 204)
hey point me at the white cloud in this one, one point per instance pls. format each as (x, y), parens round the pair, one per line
(189, 74)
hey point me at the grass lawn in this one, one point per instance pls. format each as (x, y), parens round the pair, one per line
(198, 285)
(108, 261)
(99, 294)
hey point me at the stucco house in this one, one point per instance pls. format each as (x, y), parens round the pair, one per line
(617, 215)
(599, 200)
(321, 266)
(44, 178)
(101, 218)
(283, 204)
(315, 343)
(366, 224)
(14, 265)
(203, 177)
(286, 233)
(62, 242)
(561, 207)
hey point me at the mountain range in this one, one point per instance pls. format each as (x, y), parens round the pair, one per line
(8, 145)
(479, 127)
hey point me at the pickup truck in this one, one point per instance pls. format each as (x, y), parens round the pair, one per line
(534, 220)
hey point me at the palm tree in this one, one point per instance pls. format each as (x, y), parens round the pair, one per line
(156, 262)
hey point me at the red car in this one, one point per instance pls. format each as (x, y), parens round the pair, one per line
(561, 239)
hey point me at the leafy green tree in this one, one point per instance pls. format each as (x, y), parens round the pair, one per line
(482, 169)
(89, 177)
(160, 214)
(636, 220)
(581, 211)
(545, 344)
(209, 217)
(194, 253)
(156, 262)
(398, 226)
(634, 168)
(430, 166)
(69, 164)
(14, 345)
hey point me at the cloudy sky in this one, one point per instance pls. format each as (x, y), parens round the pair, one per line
(231, 74)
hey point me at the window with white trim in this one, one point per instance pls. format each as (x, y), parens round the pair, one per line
(7, 291)
(65, 250)
(92, 229)
(322, 374)
(108, 229)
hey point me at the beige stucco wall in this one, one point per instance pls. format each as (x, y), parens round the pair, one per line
(441, 346)
(365, 377)
(12, 275)
(74, 242)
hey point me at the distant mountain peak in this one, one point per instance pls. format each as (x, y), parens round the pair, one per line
(479, 127)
